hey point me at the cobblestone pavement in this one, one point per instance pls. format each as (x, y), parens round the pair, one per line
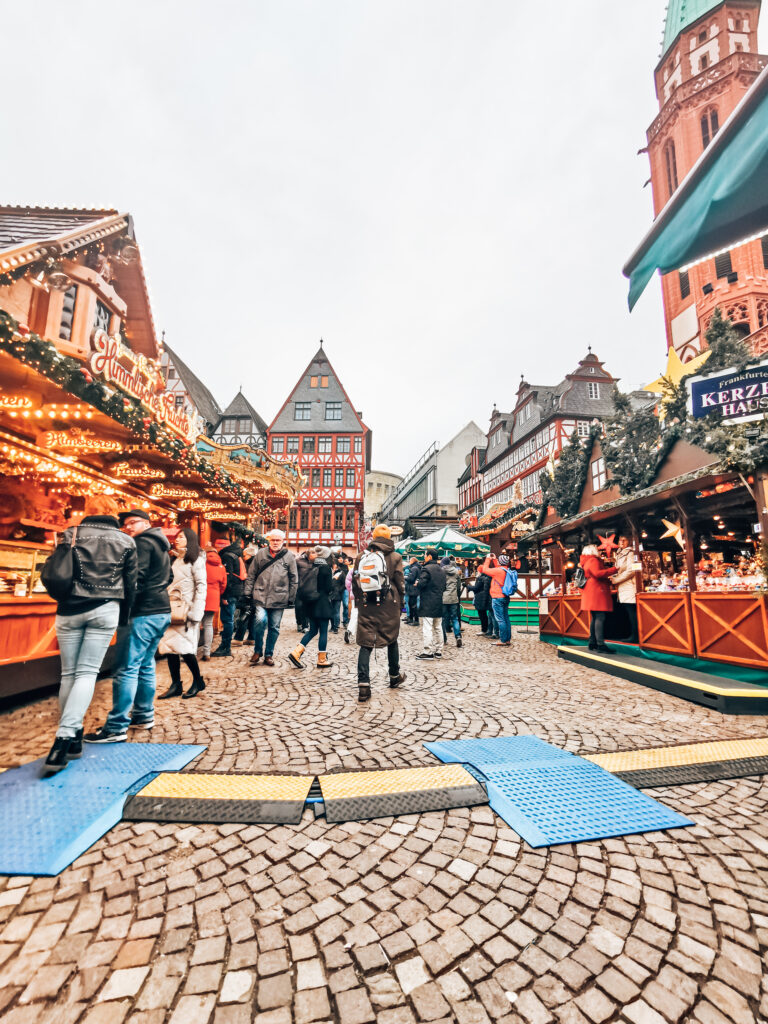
(435, 917)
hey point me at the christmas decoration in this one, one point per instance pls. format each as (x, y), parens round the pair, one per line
(672, 377)
(607, 543)
(673, 530)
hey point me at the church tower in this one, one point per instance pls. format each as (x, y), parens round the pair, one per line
(709, 60)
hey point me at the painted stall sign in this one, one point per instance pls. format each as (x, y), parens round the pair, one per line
(734, 396)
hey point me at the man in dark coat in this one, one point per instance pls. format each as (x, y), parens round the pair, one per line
(430, 587)
(231, 557)
(482, 600)
(378, 622)
(412, 592)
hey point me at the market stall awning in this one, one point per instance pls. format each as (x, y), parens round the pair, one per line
(446, 541)
(722, 201)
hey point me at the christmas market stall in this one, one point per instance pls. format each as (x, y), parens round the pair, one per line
(86, 423)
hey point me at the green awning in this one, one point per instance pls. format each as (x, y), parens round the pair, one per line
(722, 201)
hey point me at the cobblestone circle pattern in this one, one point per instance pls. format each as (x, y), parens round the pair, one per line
(423, 918)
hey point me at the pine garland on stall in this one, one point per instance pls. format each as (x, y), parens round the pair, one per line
(563, 490)
(635, 444)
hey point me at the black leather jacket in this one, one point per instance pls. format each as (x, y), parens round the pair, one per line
(107, 566)
(152, 547)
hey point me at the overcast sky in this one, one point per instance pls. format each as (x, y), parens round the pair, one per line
(444, 191)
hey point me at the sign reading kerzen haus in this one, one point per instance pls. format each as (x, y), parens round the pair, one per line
(733, 396)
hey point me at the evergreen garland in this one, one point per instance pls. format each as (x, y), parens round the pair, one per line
(563, 490)
(73, 377)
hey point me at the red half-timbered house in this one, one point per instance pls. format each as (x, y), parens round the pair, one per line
(319, 426)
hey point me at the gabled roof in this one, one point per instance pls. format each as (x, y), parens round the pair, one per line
(201, 397)
(29, 234)
(240, 406)
(681, 14)
(319, 366)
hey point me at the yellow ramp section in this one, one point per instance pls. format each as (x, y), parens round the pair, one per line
(669, 757)
(201, 786)
(400, 780)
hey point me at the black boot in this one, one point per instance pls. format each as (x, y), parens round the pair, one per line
(76, 746)
(174, 690)
(459, 642)
(221, 652)
(394, 681)
(197, 687)
(363, 692)
(57, 757)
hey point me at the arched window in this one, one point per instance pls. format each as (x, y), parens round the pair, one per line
(709, 126)
(670, 162)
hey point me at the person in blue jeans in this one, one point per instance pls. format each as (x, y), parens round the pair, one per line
(85, 624)
(497, 570)
(271, 585)
(133, 684)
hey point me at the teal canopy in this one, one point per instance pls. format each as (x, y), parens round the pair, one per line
(447, 542)
(722, 201)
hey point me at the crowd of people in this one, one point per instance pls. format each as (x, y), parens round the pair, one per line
(167, 593)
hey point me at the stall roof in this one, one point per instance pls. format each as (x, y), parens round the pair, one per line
(721, 202)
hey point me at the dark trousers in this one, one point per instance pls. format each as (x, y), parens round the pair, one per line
(317, 628)
(364, 662)
(452, 619)
(227, 612)
(631, 610)
(482, 614)
(301, 614)
(335, 613)
(244, 622)
(413, 607)
(597, 629)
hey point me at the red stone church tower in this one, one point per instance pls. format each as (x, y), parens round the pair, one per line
(709, 60)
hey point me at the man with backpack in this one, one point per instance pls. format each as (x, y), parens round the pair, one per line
(503, 586)
(271, 584)
(430, 587)
(231, 555)
(452, 599)
(378, 586)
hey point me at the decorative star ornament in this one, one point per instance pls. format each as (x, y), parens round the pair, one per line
(674, 373)
(673, 530)
(607, 543)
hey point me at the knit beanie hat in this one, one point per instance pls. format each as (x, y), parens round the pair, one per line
(503, 559)
(382, 530)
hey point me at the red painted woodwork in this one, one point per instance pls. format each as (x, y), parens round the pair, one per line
(27, 629)
(574, 621)
(731, 628)
(665, 623)
(551, 621)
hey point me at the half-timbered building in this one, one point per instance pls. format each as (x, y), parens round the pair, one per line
(240, 424)
(319, 426)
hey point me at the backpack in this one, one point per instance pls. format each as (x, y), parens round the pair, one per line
(579, 578)
(60, 569)
(308, 591)
(371, 575)
(510, 583)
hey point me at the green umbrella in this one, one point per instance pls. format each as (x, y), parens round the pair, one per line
(448, 542)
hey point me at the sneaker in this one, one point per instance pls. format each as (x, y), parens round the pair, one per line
(425, 657)
(57, 756)
(142, 723)
(459, 642)
(438, 654)
(104, 735)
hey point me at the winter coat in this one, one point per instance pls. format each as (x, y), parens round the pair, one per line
(189, 581)
(411, 578)
(230, 557)
(453, 584)
(482, 595)
(596, 595)
(338, 580)
(378, 625)
(152, 547)
(272, 582)
(430, 588)
(626, 577)
(319, 577)
(498, 575)
(216, 576)
(105, 566)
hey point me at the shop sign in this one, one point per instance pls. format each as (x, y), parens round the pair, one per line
(189, 505)
(16, 403)
(734, 396)
(80, 441)
(163, 491)
(137, 471)
(139, 377)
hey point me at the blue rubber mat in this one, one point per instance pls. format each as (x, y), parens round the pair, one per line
(549, 796)
(47, 823)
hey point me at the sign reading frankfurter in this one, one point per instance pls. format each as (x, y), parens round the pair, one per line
(733, 396)
(139, 377)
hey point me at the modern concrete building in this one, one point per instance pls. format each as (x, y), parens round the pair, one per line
(378, 487)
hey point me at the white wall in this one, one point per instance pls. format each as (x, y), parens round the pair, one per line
(451, 462)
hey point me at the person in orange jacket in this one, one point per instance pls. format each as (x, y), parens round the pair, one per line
(499, 601)
(217, 584)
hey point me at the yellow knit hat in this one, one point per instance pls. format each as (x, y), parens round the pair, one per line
(382, 530)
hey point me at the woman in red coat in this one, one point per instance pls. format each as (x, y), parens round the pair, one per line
(217, 584)
(596, 596)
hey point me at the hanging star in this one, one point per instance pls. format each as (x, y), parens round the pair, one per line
(673, 530)
(607, 543)
(674, 373)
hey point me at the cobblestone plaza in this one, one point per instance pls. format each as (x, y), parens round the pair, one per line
(436, 917)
